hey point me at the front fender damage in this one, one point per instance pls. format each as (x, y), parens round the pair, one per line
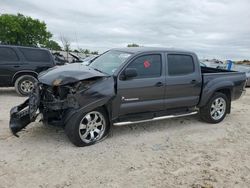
(58, 104)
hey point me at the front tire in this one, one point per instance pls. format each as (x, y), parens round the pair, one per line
(25, 84)
(216, 109)
(88, 128)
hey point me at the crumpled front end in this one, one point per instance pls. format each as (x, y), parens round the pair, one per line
(25, 113)
(51, 102)
(55, 103)
(60, 93)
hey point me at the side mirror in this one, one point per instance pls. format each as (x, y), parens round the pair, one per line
(130, 73)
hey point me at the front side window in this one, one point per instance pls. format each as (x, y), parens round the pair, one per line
(147, 66)
(8, 54)
(35, 55)
(179, 64)
(109, 61)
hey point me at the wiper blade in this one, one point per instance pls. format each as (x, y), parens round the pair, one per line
(99, 70)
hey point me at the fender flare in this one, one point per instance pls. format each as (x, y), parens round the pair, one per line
(211, 88)
(74, 113)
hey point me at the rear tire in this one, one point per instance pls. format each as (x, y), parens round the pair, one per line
(88, 128)
(216, 109)
(25, 84)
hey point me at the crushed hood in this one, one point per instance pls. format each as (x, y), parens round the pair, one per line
(67, 74)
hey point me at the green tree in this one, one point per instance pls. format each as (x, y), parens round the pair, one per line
(76, 51)
(87, 51)
(23, 30)
(133, 45)
(94, 52)
(52, 45)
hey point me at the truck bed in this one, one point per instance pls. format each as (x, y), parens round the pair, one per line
(214, 70)
(214, 79)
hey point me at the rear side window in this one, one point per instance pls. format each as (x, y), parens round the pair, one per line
(180, 64)
(8, 54)
(34, 55)
(147, 66)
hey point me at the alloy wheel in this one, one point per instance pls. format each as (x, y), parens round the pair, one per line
(218, 108)
(27, 86)
(92, 127)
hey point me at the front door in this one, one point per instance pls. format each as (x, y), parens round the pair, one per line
(146, 91)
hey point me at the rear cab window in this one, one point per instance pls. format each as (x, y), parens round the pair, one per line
(147, 66)
(35, 55)
(180, 64)
(8, 55)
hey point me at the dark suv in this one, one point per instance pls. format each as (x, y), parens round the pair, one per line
(19, 66)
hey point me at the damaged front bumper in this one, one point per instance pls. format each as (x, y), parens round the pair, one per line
(52, 110)
(25, 113)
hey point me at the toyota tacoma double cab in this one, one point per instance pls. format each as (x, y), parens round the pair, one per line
(20, 66)
(125, 86)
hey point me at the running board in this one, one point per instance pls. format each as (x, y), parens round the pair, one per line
(154, 119)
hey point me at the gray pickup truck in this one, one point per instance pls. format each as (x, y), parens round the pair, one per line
(126, 86)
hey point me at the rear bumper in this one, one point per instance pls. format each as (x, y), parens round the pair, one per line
(248, 82)
(244, 89)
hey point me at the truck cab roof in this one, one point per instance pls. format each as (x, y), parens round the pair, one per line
(151, 49)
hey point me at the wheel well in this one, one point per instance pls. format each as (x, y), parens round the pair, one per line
(107, 111)
(226, 91)
(16, 76)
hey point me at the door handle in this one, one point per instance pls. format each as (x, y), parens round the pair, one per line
(159, 84)
(193, 82)
(16, 66)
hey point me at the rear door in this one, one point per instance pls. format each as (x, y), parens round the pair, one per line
(9, 64)
(37, 59)
(144, 93)
(183, 80)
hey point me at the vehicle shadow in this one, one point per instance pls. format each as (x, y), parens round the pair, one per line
(44, 134)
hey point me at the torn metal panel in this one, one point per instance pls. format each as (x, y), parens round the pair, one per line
(25, 113)
(58, 103)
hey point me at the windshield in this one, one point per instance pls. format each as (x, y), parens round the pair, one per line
(109, 61)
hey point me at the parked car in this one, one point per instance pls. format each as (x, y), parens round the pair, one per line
(203, 64)
(19, 66)
(214, 63)
(126, 86)
(59, 58)
(248, 79)
(75, 58)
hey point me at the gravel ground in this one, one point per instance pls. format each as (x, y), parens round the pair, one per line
(181, 152)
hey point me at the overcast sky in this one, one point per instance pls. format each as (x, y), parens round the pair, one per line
(213, 29)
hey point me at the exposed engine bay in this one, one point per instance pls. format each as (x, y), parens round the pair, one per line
(58, 96)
